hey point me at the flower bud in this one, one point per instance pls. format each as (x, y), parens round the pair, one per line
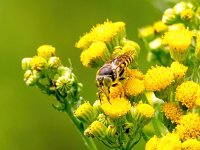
(26, 63)
(187, 14)
(98, 129)
(31, 77)
(146, 33)
(180, 7)
(155, 44)
(112, 133)
(46, 51)
(160, 27)
(54, 62)
(169, 16)
(38, 63)
(85, 113)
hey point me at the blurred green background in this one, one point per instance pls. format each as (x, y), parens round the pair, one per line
(27, 119)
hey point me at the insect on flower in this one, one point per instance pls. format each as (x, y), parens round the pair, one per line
(112, 72)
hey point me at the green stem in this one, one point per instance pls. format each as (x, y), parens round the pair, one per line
(89, 143)
(159, 130)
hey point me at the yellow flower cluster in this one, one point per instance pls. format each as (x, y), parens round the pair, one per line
(158, 78)
(188, 127)
(172, 112)
(178, 69)
(170, 141)
(188, 93)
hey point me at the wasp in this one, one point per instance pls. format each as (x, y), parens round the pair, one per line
(112, 72)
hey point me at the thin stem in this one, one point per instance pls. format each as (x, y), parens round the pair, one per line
(89, 143)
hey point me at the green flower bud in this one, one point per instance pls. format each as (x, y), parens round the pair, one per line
(85, 113)
(112, 133)
(147, 33)
(97, 106)
(155, 44)
(31, 77)
(104, 119)
(98, 129)
(169, 16)
(26, 63)
(54, 62)
(64, 83)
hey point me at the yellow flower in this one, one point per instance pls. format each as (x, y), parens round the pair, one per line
(188, 93)
(134, 73)
(159, 26)
(46, 51)
(85, 113)
(188, 127)
(116, 91)
(145, 110)
(84, 41)
(146, 32)
(142, 113)
(187, 14)
(191, 144)
(97, 54)
(115, 108)
(152, 143)
(38, 63)
(178, 69)
(170, 141)
(179, 42)
(110, 33)
(172, 112)
(158, 78)
(133, 86)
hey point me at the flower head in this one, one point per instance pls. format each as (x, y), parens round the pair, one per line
(142, 113)
(158, 78)
(178, 42)
(178, 69)
(170, 141)
(190, 144)
(172, 112)
(84, 42)
(188, 93)
(95, 55)
(26, 63)
(152, 143)
(54, 62)
(159, 26)
(115, 108)
(46, 51)
(188, 127)
(133, 86)
(38, 63)
(85, 113)
(146, 32)
(116, 91)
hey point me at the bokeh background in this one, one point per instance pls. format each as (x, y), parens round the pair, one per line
(27, 119)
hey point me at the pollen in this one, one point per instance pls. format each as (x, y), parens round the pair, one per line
(152, 143)
(172, 112)
(115, 108)
(170, 141)
(46, 51)
(134, 73)
(178, 42)
(158, 78)
(38, 63)
(188, 93)
(178, 69)
(191, 144)
(188, 127)
(133, 86)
